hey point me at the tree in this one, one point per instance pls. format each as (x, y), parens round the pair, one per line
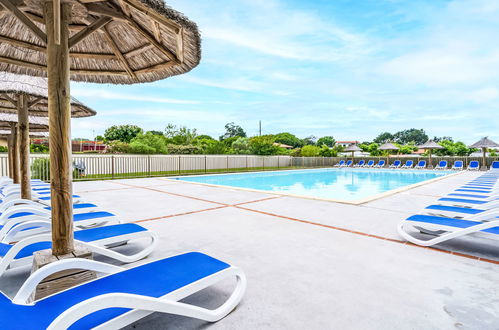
(99, 138)
(407, 149)
(309, 140)
(148, 143)
(241, 146)
(211, 146)
(123, 133)
(418, 136)
(310, 151)
(289, 139)
(443, 138)
(180, 135)
(233, 130)
(328, 152)
(453, 149)
(155, 132)
(204, 137)
(263, 145)
(383, 138)
(327, 141)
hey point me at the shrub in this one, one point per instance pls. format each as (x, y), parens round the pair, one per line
(211, 147)
(117, 147)
(3, 149)
(310, 151)
(241, 146)
(148, 143)
(175, 149)
(39, 148)
(40, 169)
(263, 145)
(328, 152)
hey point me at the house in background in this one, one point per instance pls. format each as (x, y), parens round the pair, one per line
(346, 143)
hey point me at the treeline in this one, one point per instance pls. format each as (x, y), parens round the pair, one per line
(183, 140)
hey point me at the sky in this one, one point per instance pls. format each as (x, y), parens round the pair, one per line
(346, 68)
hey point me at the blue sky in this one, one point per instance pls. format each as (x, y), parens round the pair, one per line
(346, 68)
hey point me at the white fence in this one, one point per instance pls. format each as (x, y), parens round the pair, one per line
(87, 167)
(94, 167)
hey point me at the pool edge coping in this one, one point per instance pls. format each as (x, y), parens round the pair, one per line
(354, 202)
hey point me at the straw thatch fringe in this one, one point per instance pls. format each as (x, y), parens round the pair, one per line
(35, 87)
(36, 124)
(136, 41)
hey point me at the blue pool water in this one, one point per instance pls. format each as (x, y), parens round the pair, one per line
(339, 184)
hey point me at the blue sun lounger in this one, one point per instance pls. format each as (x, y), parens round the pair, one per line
(380, 164)
(124, 296)
(348, 163)
(474, 166)
(341, 163)
(97, 240)
(458, 165)
(421, 165)
(408, 164)
(471, 213)
(35, 222)
(442, 165)
(369, 163)
(360, 163)
(396, 164)
(444, 228)
(494, 166)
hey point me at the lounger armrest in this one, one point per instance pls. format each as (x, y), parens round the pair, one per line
(40, 212)
(486, 215)
(162, 305)
(11, 229)
(32, 282)
(14, 202)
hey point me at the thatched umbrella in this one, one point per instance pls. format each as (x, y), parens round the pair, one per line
(26, 95)
(388, 146)
(352, 148)
(484, 144)
(8, 124)
(114, 41)
(430, 146)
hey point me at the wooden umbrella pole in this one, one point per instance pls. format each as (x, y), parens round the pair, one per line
(23, 138)
(15, 153)
(60, 130)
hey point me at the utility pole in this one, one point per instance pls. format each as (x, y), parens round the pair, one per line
(260, 128)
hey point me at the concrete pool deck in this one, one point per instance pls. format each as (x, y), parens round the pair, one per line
(311, 264)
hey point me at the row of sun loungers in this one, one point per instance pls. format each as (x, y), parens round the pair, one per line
(442, 165)
(472, 209)
(115, 300)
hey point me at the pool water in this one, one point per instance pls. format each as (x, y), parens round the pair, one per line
(339, 184)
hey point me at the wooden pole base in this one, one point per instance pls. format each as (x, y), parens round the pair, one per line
(62, 280)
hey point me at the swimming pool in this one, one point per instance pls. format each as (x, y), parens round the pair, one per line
(336, 184)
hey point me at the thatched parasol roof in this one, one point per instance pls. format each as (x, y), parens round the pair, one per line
(484, 143)
(36, 89)
(36, 124)
(430, 145)
(352, 147)
(112, 41)
(5, 133)
(388, 146)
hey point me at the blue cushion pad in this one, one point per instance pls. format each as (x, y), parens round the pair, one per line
(475, 190)
(462, 200)
(450, 222)
(47, 198)
(154, 280)
(87, 235)
(91, 215)
(468, 195)
(94, 234)
(454, 209)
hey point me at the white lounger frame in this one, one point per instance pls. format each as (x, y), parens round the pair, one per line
(444, 233)
(41, 219)
(141, 305)
(98, 247)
